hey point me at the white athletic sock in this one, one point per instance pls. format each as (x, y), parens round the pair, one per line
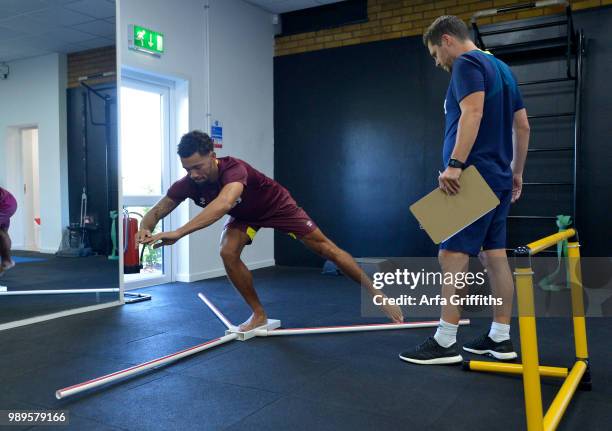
(446, 335)
(499, 332)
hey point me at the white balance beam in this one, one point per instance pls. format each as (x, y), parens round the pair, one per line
(55, 292)
(351, 328)
(270, 325)
(232, 333)
(75, 389)
(214, 309)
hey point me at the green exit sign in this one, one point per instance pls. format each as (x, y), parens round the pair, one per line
(144, 39)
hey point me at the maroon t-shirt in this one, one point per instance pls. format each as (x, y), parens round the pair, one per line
(261, 198)
(8, 207)
(7, 201)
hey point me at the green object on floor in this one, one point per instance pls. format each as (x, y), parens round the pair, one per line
(549, 283)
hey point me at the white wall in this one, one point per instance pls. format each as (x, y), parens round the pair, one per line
(35, 95)
(239, 90)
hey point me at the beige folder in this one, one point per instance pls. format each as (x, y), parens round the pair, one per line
(442, 215)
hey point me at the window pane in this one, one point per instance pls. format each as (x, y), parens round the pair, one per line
(141, 142)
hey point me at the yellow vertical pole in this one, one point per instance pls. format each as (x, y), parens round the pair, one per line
(529, 349)
(575, 276)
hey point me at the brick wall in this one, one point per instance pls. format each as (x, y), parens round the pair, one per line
(390, 19)
(91, 62)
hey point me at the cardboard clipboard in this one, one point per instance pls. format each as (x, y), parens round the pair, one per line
(442, 215)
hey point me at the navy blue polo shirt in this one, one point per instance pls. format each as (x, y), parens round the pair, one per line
(492, 151)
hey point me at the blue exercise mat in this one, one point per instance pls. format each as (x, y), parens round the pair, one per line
(18, 259)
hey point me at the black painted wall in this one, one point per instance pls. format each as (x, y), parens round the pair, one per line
(102, 176)
(358, 136)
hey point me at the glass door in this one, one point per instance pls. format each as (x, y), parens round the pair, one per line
(145, 157)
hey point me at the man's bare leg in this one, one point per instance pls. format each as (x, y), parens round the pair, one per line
(451, 262)
(324, 247)
(442, 347)
(502, 284)
(5, 251)
(232, 244)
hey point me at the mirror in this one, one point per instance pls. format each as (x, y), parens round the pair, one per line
(58, 159)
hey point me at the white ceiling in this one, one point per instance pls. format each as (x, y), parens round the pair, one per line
(282, 6)
(30, 28)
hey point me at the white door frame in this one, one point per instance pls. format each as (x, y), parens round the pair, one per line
(166, 89)
(16, 180)
(30, 196)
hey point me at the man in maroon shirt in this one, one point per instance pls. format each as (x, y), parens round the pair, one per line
(8, 206)
(231, 186)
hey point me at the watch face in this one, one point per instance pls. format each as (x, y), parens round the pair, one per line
(455, 164)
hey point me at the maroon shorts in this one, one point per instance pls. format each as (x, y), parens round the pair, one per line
(8, 207)
(296, 224)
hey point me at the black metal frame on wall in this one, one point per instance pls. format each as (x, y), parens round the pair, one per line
(92, 158)
(532, 43)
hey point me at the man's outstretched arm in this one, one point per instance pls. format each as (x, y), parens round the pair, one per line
(160, 210)
(220, 206)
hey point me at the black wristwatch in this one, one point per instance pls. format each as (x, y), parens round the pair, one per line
(454, 163)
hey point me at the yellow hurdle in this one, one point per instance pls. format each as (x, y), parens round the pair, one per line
(529, 348)
(509, 368)
(530, 369)
(564, 396)
(575, 277)
(542, 244)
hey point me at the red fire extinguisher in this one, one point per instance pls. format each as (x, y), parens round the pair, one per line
(132, 260)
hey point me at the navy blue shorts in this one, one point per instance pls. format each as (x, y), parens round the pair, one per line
(488, 232)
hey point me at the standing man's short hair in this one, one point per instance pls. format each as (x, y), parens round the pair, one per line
(195, 142)
(445, 24)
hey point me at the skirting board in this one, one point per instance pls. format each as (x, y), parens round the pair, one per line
(219, 272)
(48, 250)
(18, 247)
